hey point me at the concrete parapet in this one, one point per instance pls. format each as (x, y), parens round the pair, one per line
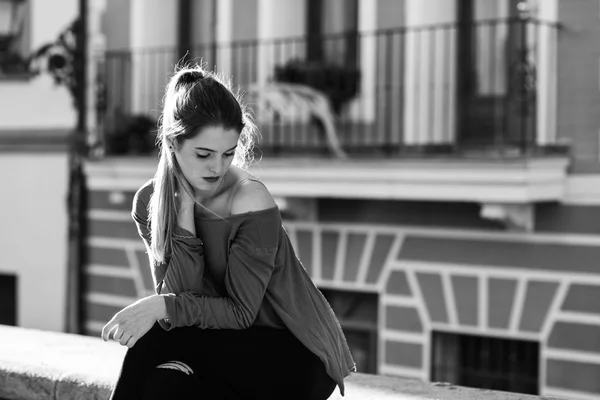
(39, 365)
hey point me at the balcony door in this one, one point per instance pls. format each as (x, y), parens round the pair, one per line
(490, 38)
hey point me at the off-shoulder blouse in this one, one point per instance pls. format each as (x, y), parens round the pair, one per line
(240, 271)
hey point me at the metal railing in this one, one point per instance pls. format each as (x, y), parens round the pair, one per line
(487, 86)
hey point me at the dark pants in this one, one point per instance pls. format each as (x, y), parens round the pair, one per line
(254, 363)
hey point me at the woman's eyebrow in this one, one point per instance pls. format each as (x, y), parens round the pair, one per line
(214, 151)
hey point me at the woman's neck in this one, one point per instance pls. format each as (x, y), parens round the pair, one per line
(205, 196)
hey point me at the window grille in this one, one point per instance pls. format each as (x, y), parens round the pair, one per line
(485, 362)
(8, 300)
(357, 314)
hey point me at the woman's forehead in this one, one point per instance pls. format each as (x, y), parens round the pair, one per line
(215, 138)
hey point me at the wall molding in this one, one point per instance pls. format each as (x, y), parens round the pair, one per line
(583, 189)
(463, 179)
(34, 140)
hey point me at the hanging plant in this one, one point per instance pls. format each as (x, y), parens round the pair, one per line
(58, 59)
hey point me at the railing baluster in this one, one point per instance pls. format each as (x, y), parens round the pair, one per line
(494, 89)
(447, 78)
(435, 125)
(387, 145)
(415, 90)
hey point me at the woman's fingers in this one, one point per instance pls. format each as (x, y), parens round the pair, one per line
(131, 342)
(129, 325)
(108, 328)
(119, 332)
(129, 337)
(184, 189)
(125, 337)
(115, 326)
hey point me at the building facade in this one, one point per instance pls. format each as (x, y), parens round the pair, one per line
(36, 118)
(457, 235)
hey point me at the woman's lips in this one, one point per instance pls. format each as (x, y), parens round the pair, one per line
(211, 179)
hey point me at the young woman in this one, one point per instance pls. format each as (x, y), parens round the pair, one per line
(235, 315)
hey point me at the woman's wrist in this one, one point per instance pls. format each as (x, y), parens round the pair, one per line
(185, 217)
(186, 206)
(160, 307)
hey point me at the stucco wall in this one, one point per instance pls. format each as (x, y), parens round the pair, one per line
(35, 115)
(33, 211)
(20, 100)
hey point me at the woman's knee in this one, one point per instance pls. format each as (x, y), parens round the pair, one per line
(152, 340)
(167, 383)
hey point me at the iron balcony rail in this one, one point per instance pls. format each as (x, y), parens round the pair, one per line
(485, 87)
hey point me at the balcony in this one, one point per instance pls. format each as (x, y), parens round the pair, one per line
(467, 111)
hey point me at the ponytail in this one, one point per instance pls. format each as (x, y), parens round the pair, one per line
(163, 209)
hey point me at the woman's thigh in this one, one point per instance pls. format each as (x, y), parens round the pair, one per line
(164, 383)
(261, 363)
(257, 362)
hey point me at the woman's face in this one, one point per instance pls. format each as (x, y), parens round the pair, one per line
(205, 158)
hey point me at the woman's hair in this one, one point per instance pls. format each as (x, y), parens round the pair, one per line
(194, 99)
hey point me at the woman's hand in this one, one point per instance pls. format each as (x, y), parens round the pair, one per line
(132, 322)
(185, 214)
(185, 194)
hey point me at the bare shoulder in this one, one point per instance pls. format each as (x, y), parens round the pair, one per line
(251, 195)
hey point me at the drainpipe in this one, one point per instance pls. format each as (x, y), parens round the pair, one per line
(213, 45)
(184, 19)
(76, 184)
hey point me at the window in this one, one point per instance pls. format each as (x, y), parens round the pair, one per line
(357, 314)
(14, 40)
(332, 31)
(485, 362)
(8, 300)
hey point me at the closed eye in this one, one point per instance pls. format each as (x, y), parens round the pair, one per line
(203, 156)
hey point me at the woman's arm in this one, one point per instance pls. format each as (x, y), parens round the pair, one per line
(185, 268)
(182, 273)
(250, 266)
(185, 215)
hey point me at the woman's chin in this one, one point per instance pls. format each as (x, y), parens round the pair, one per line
(205, 187)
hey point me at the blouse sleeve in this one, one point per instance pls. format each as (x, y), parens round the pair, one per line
(185, 268)
(250, 266)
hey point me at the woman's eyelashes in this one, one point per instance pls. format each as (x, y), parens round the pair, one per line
(203, 156)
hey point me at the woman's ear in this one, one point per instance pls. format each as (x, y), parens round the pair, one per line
(171, 145)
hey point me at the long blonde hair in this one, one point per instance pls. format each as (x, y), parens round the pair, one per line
(194, 99)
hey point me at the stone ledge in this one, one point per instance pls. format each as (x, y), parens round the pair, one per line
(37, 365)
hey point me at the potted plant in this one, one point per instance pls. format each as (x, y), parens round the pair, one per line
(340, 83)
(135, 135)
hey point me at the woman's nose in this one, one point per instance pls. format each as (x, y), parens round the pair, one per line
(217, 166)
